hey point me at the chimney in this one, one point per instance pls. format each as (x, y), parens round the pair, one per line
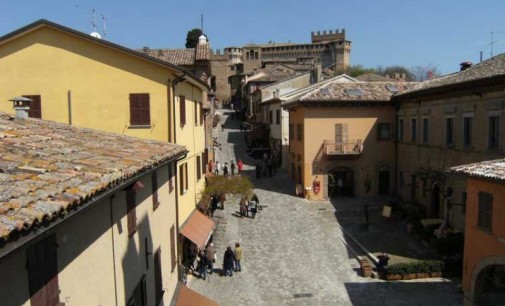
(21, 106)
(465, 65)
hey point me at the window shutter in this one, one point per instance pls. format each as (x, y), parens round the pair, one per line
(186, 180)
(196, 113)
(170, 178)
(201, 114)
(181, 179)
(134, 110)
(182, 110)
(35, 106)
(173, 256)
(338, 133)
(205, 161)
(144, 110)
(158, 279)
(198, 167)
(154, 189)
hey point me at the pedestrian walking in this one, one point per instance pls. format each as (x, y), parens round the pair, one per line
(222, 198)
(203, 263)
(228, 259)
(211, 257)
(243, 207)
(225, 169)
(253, 206)
(238, 257)
(217, 167)
(240, 165)
(232, 167)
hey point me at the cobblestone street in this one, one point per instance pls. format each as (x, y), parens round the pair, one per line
(294, 251)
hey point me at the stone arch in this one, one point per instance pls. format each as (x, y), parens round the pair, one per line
(479, 273)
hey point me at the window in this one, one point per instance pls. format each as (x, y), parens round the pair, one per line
(139, 296)
(170, 178)
(449, 132)
(383, 131)
(413, 129)
(400, 129)
(42, 266)
(35, 106)
(183, 178)
(198, 167)
(291, 132)
(131, 211)
(425, 187)
(158, 277)
(205, 160)
(278, 117)
(494, 132)
(139, 109)
(467, 131)
(182, 110)
(485, 217)
(426, 130)
(154, 190)
(173, 256)
(196, 113)
(300, 132)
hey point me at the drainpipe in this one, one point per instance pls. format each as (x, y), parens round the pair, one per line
(111, 200)
(69, 98)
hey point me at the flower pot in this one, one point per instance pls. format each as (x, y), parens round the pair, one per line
(409, 276)
(436, 274)
(422, 275)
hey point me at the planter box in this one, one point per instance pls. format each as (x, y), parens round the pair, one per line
(423, 275)
(393, 277)
(390, 277)
(436, 274)
(409, 276)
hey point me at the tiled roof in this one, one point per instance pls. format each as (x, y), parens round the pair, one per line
(373, 77)
(366, 91)
(491, 68)
(274, 73)
(174, 56)
(492, 169)
(47, 168)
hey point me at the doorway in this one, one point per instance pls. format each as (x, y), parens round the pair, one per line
(340, 182)
(384, 178)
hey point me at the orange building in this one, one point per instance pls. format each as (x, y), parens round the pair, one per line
(484, 256)
(341, 138)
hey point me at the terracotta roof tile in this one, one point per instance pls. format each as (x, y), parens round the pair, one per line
(366, 91)
(492, 169)
(175, 56)
(47, 168)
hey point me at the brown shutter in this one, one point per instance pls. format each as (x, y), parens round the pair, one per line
(182, 110)
(186, 179)
(198, 167)
(134, 110)
(140, 109)
(42, 264)
(35, 106)
(131, 212)
(205, 161)
(158, 280)
(196, 113)
(154, 189)
(201, 114)
(173, 256)
(181, 179)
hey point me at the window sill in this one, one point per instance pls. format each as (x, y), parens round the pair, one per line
(486, 230)
(140, 126)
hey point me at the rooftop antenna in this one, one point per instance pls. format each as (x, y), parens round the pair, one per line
(93, 20)
(104, 25)
(201, 22)
(492, 42)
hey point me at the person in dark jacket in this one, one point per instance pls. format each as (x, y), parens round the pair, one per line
(228, 259)
(203, 264)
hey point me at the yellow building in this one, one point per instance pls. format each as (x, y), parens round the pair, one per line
(341, 138)
(86, 217)
(84, 81)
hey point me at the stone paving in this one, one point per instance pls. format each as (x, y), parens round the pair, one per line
(294, 251)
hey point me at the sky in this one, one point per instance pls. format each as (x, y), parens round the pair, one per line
(440, 33)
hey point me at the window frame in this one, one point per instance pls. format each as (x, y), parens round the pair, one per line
(299, 135)
(413, 129)
(380, 127)
(154, 190)
(485, 211)
(278, 116)
(140, 109)
(198, 167)
(426, 130)
(493, 132)
(468, 130)
(400, 130)
(449, 137)
(182, 110)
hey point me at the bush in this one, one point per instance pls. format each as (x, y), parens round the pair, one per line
(428, 266)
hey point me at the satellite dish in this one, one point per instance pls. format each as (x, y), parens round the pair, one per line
(96, 35)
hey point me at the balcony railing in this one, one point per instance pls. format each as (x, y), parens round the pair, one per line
(353, 147)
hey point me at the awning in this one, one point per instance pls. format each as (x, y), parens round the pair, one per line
(188, 297)
(198, 228)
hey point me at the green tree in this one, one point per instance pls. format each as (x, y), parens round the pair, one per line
(356, 70)
(192, 38)
(391, 70)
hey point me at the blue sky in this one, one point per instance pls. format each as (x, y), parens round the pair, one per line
(383, 32)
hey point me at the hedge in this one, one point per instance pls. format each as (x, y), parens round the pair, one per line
(428, 266)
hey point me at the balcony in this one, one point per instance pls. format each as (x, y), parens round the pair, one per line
(348, 149)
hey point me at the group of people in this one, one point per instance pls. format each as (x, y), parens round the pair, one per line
(266, 167)
(231, 260)
(216, 168)
(249, 205)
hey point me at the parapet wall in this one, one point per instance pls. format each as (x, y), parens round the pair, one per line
(327, 36)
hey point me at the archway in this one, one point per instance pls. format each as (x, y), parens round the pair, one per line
(435, 200)
(384, 179)
(488, 282)
(340, 182)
